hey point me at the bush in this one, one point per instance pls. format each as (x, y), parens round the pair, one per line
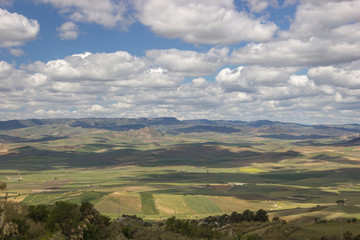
(2, 185)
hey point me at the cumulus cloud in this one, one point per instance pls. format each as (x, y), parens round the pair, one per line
(151, 78)
(97, 109)
(17, 52)
(108, 13)
(88, 66)
(259, 80)
(296, 87)
(189, 63)
(11, 78)
(68, 31)
(260, 5)
(301, 95)
(322, 33)
(251, 78)
(233, 80)
(119, 84)
(294, 52)
(336, 76)
(16, 29)
(268, 76)
(202, 22)
(321, 18)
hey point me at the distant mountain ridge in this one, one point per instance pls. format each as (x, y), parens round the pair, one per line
(171, 125)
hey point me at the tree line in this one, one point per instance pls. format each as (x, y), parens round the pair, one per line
(66, 220)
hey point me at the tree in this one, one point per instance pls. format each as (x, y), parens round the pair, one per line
(248, 215)
(22, 229)
(96, 222)
(66, 217)
(38, 213)
(236, 217)
(261, 215)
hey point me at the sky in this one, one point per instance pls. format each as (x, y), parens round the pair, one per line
(281, 60)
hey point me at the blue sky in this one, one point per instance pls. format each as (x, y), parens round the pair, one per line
(289, 60)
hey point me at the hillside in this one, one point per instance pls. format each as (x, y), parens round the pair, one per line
(352, 142)
(174, 126)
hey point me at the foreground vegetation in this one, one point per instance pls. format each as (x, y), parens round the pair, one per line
(66, 220)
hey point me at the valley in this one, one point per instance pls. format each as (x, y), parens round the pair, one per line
(158, 168)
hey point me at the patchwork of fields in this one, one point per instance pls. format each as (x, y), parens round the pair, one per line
(189, 175)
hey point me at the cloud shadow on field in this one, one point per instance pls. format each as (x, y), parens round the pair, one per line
(31, 158)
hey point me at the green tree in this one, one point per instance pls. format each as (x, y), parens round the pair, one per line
(248, 215)
(236, 217)
(22, 228)
(66, 217)
(97, 224)
(38, 213)
(261, 216)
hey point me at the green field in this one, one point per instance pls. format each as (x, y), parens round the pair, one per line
(148, 204)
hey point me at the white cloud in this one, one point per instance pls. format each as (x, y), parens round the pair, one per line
(12, 78)
(268, 76)
(108, 13)
(320, 18)
(322, 33)
(199, 82)
(5, 69)
(16, 29)
(336, 76)
(289, 3)
(17, 52)
(260, 5)
(250, 78)
(36, 80)
(67, 87)
(202, 22)
(121, 85)
(233, 80)
(97, 109)
(68, 31)
(189, 63)
(51, 113)
(87, 66)
(294, 52)
(150, 78)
